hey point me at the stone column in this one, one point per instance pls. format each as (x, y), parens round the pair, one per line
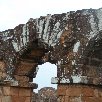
(18, 90)
(15, 94)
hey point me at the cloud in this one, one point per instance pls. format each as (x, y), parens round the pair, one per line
(14, 12)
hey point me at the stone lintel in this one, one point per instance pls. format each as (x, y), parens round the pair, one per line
(76, 80)
(17, 84)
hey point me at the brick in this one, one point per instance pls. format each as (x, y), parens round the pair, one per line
(24, 92)
(15, 99)
(6, 99)
(22, 78)
(68, 92)
(24, 68)
(91, 99)
(88, 91)
(73, 91)
(14, 91)
(6, 91)
(22, 99)
(18, 99)
(61, 91)
(66, 98)
(28, 99)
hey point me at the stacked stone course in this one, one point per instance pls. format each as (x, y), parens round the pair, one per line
(79, 93)
(72, 41)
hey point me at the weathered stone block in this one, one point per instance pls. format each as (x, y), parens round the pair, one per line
(22, 99)
(7, 99)
(61, 90)
(24, 92)
(6, 91)
(73, 91)
(22, 78)
(91, 99)
(14, 91)
(28, 99)
(88, 91)
(18, 99)
(15, 98)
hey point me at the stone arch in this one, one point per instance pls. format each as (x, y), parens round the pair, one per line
(63, 39)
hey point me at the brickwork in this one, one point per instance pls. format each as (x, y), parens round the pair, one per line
(14, 91)
(15, 94)
(79, 93)
(72, 41)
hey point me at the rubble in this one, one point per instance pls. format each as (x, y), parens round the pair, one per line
(45, 94)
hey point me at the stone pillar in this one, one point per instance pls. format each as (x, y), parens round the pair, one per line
(18, 90)
(15, 94)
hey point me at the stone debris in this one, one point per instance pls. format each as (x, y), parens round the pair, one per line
(46, 94)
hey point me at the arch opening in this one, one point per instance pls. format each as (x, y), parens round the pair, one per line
(45, 73)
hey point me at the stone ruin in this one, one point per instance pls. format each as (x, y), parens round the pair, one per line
(72, 41)
(46, 94)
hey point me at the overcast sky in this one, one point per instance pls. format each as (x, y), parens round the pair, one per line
(14, 12)
(44, 75)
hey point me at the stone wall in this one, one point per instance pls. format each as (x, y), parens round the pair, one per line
(15, 94)
(79, 93)
(72, 41)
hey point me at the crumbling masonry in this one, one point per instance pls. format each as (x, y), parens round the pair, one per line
(72, 41)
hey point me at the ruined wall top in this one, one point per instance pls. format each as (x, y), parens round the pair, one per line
(75, 38)
(51, 27)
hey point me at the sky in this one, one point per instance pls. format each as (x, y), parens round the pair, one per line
(44, 75)
(15, 12)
